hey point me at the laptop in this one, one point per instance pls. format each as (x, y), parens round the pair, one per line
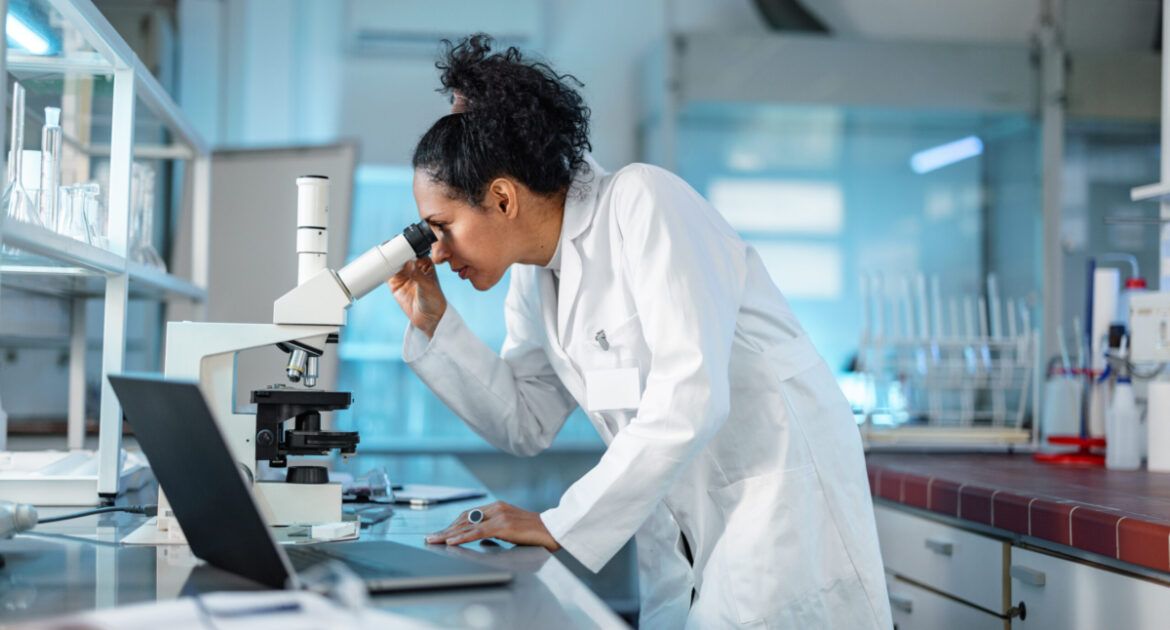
(221, 521)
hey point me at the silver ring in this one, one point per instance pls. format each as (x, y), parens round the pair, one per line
(475, 516)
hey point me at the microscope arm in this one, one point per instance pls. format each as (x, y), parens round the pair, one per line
(323, 298)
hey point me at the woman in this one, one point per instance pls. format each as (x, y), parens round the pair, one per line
(732, 458)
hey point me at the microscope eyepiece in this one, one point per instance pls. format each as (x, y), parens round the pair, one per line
(421, 237)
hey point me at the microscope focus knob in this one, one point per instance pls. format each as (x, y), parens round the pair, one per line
(265, 437)
(307, 474)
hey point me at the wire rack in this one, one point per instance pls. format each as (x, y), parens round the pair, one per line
(930, 383)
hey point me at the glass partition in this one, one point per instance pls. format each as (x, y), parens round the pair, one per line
(392, 408)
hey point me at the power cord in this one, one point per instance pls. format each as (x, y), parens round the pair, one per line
(149, 510)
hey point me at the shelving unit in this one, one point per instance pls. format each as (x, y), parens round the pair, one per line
(114, 112)
(1150, 192)
(1160, 192)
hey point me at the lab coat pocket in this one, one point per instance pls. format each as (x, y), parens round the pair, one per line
(612, 345)
(613, 374)
(782, 551)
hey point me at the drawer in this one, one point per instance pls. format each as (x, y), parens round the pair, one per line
(966, 565)
(916, 608)
(1066, 594)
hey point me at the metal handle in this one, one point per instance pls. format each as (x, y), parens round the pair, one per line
(941, 547)
(1027, 575)
(902, 603)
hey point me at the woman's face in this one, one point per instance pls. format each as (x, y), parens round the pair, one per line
(474, 241)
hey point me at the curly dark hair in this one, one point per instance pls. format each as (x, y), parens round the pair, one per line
(520, 119)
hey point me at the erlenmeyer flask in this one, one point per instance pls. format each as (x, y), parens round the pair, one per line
(17, 202)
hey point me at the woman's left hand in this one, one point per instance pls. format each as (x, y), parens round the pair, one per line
(502, 521)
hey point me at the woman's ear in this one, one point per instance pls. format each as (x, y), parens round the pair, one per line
(503, 198)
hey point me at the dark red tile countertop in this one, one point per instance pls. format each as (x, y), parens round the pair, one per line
(1122, 515)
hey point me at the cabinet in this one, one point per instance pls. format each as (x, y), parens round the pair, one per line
(963, 564)
(115, 119)
(916, 608)
(941, 576)
(1060, 593)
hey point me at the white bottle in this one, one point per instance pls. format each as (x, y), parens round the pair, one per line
(1123, 449)
(3, 429)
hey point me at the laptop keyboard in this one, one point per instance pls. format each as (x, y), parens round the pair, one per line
(303, 557)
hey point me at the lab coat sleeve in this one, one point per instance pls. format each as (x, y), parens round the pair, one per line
(514, 399)
(686, 270)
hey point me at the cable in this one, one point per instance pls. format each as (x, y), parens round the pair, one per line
(149, 510)
(1146, 376)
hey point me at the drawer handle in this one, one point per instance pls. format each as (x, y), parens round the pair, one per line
(1027, 575)
(902, 603)
(941, 547)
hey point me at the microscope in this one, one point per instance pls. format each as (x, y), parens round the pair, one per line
(304, 320)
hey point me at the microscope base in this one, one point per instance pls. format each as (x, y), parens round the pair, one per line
(284, 503)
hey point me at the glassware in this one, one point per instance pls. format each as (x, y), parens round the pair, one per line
(72, 220)
(17, 201)
(50, 167)
(94, 213)
(142, 217)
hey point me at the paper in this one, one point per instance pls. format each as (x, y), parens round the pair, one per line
(612, 389)
(274, 610)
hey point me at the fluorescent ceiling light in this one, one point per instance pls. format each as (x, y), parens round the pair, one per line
(779, 205)
(25, 37)
(803, 270)
(946, 154)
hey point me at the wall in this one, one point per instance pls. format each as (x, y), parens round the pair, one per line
(283, 73)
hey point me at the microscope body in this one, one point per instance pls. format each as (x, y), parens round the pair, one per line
(304, 321)
(207, 353)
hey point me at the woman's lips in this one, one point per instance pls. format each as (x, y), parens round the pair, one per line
(464, 272)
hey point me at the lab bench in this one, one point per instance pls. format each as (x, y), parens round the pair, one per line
(1000, 541)
(81, 565)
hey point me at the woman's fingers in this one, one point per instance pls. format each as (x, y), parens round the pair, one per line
(458, 526)
(472, 534)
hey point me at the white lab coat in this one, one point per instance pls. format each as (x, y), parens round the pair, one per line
(741, 437)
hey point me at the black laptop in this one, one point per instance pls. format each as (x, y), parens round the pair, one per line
(219, 517)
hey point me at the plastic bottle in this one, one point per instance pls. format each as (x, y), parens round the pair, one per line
(1122, 431)
(3, 429)
(1133, 286)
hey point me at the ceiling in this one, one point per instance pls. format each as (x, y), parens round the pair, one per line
(1088, 24)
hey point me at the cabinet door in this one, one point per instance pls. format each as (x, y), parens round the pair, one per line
(966, 565)
(916, 608)
(1059, 593)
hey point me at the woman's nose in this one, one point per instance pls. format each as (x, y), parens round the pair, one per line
(439, 252)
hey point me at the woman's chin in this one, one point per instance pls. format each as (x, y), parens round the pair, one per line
(481, 283)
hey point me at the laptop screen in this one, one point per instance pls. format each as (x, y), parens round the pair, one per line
(204, 485)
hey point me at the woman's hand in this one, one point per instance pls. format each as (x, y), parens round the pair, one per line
(502, 521)
(417, 290)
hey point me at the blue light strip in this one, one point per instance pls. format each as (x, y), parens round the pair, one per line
(946, 154)
(25, 36)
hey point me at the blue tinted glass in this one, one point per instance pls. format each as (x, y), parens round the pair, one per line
(392, 408)
(829, 193)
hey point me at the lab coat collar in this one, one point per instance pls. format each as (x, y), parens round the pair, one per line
(581, 200)
(580, 208)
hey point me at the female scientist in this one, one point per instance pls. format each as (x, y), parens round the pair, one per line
(732, 457)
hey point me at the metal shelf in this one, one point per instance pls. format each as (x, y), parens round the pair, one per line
(68, 252)
(100, 34)
(1151, 192)
(144, 280)
(128, 116)
(68, 267)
